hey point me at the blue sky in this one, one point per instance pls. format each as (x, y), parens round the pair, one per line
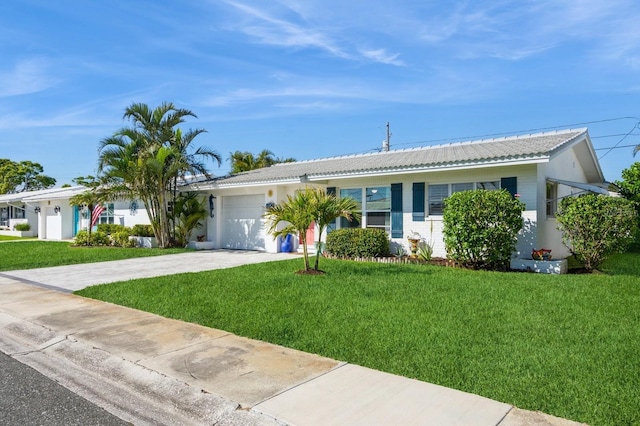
(310, 79)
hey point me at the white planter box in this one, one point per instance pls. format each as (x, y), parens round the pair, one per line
(200, 245)
(145, 242)
(17, 233)
(541, 266)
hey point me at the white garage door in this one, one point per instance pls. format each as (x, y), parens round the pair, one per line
(241, 222)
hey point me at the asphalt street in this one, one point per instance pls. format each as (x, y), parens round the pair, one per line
(29, 398)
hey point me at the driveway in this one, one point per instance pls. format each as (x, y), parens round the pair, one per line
(70, 278)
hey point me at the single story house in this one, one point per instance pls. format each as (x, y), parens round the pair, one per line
(402, 191)
(52, 217)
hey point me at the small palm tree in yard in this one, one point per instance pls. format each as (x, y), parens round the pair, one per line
(298, 212)
(327, 208)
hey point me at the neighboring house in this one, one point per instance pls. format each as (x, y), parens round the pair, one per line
(403, 191)
(52, 217)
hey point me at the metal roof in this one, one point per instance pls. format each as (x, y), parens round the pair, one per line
(534, 147)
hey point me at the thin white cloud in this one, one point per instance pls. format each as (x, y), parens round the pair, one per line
(303, 26)
(381, 55)
(270, 30)
(27, 76)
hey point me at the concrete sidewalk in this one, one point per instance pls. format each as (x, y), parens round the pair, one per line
(147, 369)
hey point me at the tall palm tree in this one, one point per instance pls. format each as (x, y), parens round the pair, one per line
(144, 160)
(245, 161)
(189, 161)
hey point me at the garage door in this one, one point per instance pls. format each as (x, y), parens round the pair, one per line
(241, 222)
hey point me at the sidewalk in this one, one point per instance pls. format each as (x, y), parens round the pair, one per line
(147, 369)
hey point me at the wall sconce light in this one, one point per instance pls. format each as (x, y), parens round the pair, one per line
(212, 205)
(37, 209)
(133, 208)
(270, 204)
(56, 209)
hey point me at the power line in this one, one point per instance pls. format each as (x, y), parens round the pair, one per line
(637, 125)
(539, 129)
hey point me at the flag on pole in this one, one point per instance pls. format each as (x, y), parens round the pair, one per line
(97, 211)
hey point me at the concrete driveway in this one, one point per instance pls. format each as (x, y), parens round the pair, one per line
(70, 278)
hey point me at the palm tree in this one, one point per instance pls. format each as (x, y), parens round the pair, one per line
(245, 161)
(189, 161)
(144, 161)
(327, 208)
(92, 197)
(297, 214)
(306, 207)
(190, 212)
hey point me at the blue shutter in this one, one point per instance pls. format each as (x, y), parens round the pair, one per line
(332, 225)
(396, 210)
(418, 201)
(510, 184)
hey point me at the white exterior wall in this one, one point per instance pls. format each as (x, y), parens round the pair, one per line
(431, 229)
(564, 166)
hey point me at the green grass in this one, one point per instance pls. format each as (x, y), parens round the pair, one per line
(566, 345)
(12, 238)
(40, 254)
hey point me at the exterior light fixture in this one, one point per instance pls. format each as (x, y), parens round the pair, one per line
(56, 209)
(212, 205)
(133, 208)
(37, 209)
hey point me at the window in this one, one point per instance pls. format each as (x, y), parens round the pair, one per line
(437, 194)
(356, 195)
(489, 186)
(459, 187)
(552, 199)
(4, 216)
(107, 215)
(19, 212)
(378, 207)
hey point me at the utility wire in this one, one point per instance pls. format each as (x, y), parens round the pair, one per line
(539, 129)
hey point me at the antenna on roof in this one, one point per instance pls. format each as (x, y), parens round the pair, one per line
(385, 143)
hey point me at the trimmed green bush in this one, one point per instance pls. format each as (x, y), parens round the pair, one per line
(110, 228)
(97, 238)
(121, 238)
(595, 226)
(358, 242)
(140, 230)
(22, 227)
(481, 228)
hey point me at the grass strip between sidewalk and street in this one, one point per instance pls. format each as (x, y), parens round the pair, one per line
(566, 345)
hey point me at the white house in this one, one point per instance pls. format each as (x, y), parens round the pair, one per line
(402, 191)
(52, 217)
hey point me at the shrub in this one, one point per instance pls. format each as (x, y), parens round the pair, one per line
(481, 228)
(140, 230)
(121, 238)
(22, 227)
(98, 238)
(595, 226)
(110, 228)
(358, 242)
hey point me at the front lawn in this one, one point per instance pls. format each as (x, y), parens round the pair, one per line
(565, 345)
(40, 254)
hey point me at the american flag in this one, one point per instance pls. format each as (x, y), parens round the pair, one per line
(97, 211)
